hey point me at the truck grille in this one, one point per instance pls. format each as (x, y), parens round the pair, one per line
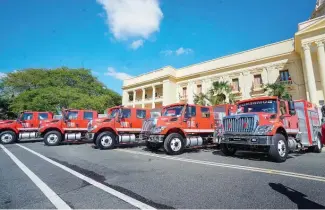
(147, 126)
(239, 125)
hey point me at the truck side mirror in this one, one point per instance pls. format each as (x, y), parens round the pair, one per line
(292, 110)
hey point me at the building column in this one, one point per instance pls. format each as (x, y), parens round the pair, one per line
(153, 96)
(134, 96)
(310, 74)
(321, 63)
(143, 96)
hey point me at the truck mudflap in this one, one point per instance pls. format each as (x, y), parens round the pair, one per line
(247, 140)
(90, 136)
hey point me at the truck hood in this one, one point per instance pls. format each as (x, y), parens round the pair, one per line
(5, 123)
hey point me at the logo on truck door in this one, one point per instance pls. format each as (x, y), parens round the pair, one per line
(25, 125)
(125, 124)
(71, 124)
(191, 124)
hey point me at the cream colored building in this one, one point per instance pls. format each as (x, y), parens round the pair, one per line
(299, 62)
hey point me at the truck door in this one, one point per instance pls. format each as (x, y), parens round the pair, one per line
(124, 123)
(191, 121)
(86, 117)
(205, 120)
(140, 116)
(27, 121)
(73, 122)
(42, 116)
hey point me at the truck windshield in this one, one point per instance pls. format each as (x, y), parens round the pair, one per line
(269, 106)
(173, 111)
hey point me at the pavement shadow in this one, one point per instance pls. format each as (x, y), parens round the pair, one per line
(248, 155)
(297, 197)
(29, 141)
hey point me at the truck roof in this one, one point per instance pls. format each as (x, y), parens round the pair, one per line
(259, 99)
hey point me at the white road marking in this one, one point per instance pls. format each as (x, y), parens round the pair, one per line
(246, 168)
(105, 188)
(48, 192)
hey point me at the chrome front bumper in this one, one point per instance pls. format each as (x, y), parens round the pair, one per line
(247, 140)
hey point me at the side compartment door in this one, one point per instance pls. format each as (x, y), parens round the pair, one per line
(204, 119)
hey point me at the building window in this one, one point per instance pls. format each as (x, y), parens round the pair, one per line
(257, 81)
(141, 114)
(205, 111)
(199, 88)
(235, 85)
(130, 97)
(88, 115)
(285, 76)
(184, 91)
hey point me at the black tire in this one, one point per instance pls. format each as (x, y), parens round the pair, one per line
(318, 148)
(226, 150)
(8, 137)
(52, 138)
(106, 140)
(153, 146)
(278, 152)
(174, 144)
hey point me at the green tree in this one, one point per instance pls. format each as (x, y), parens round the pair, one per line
(200, 99)
(277, 89)
(48, 89)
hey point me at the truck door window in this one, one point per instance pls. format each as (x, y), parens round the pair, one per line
(126, 113)
(88, 115)
(283, 108)
(43, 116)
(73, 115)
(141, 114)
(205, 112)
(27, 116)
(190, 111)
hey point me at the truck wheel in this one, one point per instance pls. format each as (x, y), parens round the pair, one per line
(152, 146)
(8, 137)
(279, 150)
(318, 148)
(106, 140)
(174, 144)
(227, 150)
(52, 138)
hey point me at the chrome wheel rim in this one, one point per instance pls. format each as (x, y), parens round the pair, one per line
(52, 139)
(106, 141)
(175, 144)
(282, 148)
(6, 138)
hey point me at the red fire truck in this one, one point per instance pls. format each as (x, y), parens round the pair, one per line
(274, 126)
(25, 127)
(122, 126)
(71, 127)
(183, 126)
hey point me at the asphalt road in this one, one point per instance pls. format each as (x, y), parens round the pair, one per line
(80, 176)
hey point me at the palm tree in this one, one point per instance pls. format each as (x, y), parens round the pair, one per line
(220, 93)
(278, 89)
(200, 99)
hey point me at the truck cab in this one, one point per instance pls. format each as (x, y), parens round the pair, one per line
(273, 126)
(71, 127)
(122, 126)
(25, 127)
(181, 126)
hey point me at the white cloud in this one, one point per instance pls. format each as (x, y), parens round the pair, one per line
(2, 75)
(95, 72)
(136, 44)
(118, 75)
(182, 50)
(132, 19)
(179, 51)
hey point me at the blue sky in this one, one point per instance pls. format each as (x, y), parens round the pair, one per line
(119, 38)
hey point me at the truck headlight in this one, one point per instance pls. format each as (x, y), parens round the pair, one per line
(263, 129)
(158, 129)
